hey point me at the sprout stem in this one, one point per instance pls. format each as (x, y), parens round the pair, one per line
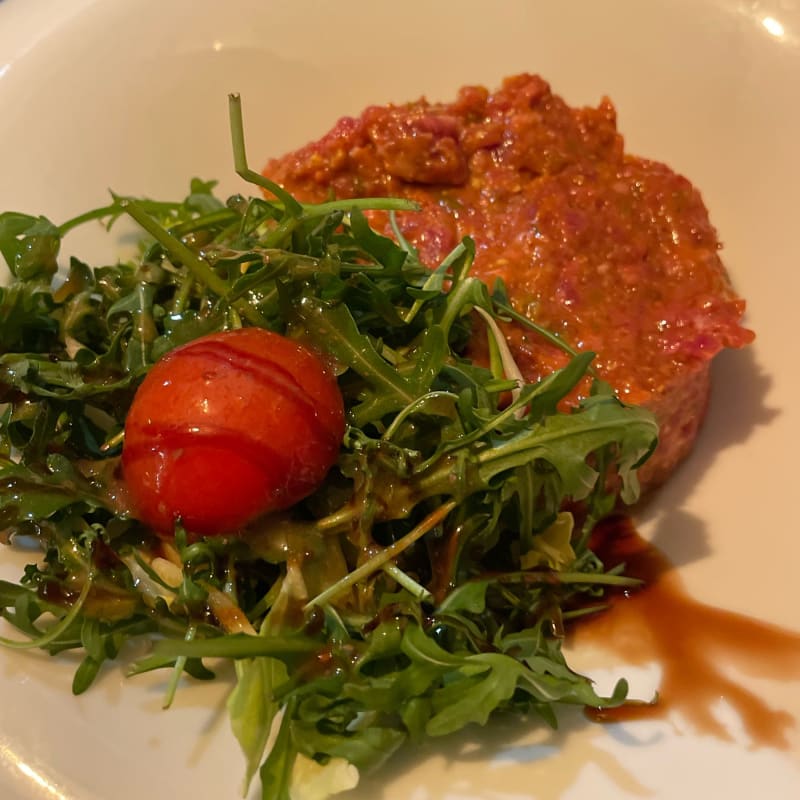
(56, 630)
(177, 670)
(292, 206)
(407, 582)
(184, 255)
(383, 557)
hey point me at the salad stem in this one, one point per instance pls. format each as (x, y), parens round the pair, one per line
(177, 671)
(408, 583)
(56, 630)
(383, 557)
(184, 255)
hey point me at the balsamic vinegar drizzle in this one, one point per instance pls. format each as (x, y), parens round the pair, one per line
(694, 643)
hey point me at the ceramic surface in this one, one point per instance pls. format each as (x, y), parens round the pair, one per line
(132, 96)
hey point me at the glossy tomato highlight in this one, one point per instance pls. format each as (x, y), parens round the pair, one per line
(229, 427)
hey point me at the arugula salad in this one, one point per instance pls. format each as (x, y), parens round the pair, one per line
(423, 585)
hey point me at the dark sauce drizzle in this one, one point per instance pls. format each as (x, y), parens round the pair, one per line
(694, 644)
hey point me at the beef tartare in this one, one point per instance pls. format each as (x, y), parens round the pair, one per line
(612, 252)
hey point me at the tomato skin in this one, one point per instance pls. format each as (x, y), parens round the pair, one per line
(229, 427)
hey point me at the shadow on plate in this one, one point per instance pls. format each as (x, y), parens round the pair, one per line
(736, 412)
(507, 754)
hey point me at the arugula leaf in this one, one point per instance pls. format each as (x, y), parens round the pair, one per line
(29, 245)
(276, 771)
(252, 708)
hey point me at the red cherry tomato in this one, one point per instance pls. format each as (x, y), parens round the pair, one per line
(227, 428)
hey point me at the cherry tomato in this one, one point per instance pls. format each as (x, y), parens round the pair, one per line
(227, 428)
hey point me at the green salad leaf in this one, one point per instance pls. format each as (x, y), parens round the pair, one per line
(420, 590)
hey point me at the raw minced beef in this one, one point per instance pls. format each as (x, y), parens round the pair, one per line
(613, 252)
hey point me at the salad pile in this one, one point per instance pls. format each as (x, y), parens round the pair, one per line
(421, 584)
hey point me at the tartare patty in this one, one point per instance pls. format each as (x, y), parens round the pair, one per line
(614, 253)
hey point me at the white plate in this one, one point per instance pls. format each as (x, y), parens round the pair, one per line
(132, 95)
